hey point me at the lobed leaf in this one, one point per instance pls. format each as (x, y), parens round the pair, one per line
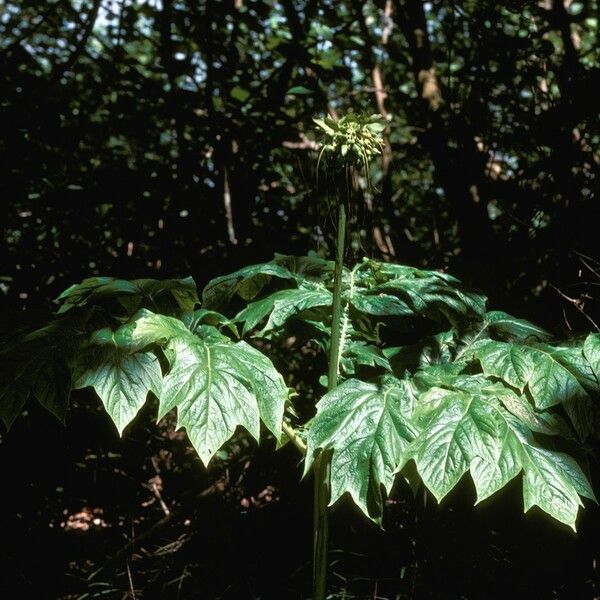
(247, 283)
(463, 431)
(509, 328)
(545, 373)
(121, 376)
(39, 364)
(132, 294)
(368, 428)
(282, 306)
(217, 387)
(446, 415)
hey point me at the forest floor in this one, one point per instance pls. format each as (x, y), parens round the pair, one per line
(89, 515)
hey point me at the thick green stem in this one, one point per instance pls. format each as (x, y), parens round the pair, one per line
(322, 466)
(294, 438)
(336, 318)
(322, 469)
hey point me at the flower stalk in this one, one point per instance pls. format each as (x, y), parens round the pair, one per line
(349, 142)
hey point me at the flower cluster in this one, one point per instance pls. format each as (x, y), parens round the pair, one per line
(352, 140)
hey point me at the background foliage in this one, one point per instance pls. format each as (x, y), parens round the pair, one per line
(131, 130)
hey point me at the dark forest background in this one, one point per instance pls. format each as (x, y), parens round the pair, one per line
(168, 138)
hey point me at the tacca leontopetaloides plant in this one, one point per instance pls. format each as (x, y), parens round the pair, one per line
(347, 145)
(457, 388)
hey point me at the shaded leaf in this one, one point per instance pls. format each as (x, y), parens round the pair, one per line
(360, 354)
(96, 289)
(282, 306)
(591, 351)
(509, 328)
(247, 283)
(38, 364)
(426, 293)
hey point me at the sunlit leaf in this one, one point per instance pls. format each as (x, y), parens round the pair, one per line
(121, 377)
(368, 428)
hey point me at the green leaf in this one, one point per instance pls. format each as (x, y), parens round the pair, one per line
(428, 351)
(464, 431)
(511, 362)
(48, 378)
(329, 59)
(360, 354)
(97, 289)
(121, 377)
(368, 428)
(214, 383)
(380, 305)
(539, 368)
(240, 94)
(326, 128)
(218, 386)
(582, 410)
(428, 292)
(460, 430)
(38, 364)
(299, 90)
(207, 371)
(446, 415)
(311, 267)
(434, 375)
(282, 306)
(573, 360)
(376, 127)
(554, 482)
(509, 328)
(544, 422)
(247, 283)
(591, 351)
(193, 320)
(87, 286)
(147, 328)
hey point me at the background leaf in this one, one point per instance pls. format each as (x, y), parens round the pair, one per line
(38, 364)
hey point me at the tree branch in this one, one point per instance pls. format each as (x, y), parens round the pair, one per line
(81, 43)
